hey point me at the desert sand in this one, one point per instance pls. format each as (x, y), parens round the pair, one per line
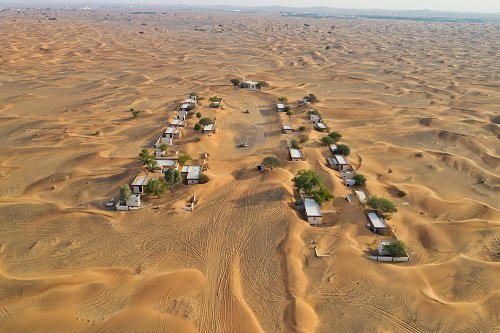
(244, 260)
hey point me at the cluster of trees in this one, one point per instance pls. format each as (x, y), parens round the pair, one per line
(382, 206)
(311, 98)
(396, 248)
(271, 162)
(202, 122)
(148, 160)
(331, 138)
(312, 185)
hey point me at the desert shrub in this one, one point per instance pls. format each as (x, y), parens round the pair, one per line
(303, 138)
(302, 128)
(335, 136)
(271, 162)
(295, 144)
(235, 82)
(381, 205)
(206, 121)
(396, 248)
(343, 149)
(203, 179)
(360, 179)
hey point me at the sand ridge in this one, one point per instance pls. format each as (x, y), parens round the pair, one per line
(244, 260)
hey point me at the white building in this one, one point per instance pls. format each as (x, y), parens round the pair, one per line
(161, 140)
(321, 126)
(280, 107)
(382, 247)
(172, 133)
(314, 118)
(287, 129)
(133, 202)
(333, 148)
(339, 162)
(165, 164)
(313, 211)
(209, 129)
(182, 115)
(377, 224)
(177, 123)
(250, 85)
(191, 173)
(140, 181)
(295, 154)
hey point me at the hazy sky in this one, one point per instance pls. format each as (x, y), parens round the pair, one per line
(448, 5)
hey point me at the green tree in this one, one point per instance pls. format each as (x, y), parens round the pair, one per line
(286, 109)
(307, 180)
(289, 113)
(125, 193)
(302, 128)
(197, 127)
(335, 136)
(295, 144)
(163, 146)
(271, 162)
(152, 165)
(360, 179)
(203, 179)
(311, 98)
(172, 178)
(303, 137)
(315, 112)
(343, 149)
(396, 248)
(184, 158)
(145, 157)
(326, 140)
(381, 205)
(235, 82)
(206, 121)
(283, 99)
(322, 194)
(155, 187)
(198, 114)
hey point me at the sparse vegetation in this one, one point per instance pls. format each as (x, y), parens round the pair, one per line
(155, 187)
(289, 113)
(396, 248)
(295, 144)
(327, 140)
(205, 121)
(419, 155)
(235, 82)
(184, 158)
(125, 193)
(263, 84)
(203, 179)
(336, 136)
(303, 137)
(136, 113)
(197, 127)
(282, 99)
(311, 183)
(172, 178)
(302, 128)
(311, 98)
(163, 147)
(360, 179)
(343, 149)
(313, 111)
(271, 162)
(287, 109)
(382, 206)
(198, 114)
(145, 157)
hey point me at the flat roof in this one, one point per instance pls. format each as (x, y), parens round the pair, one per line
(321, 125)
(332, 161)
(185, 105)
(209, 127)
(140, 180)
(280, 106)
(361, 196)
(171, 130)
(194, 172)
(295, 153)
(182, 112)
(166, 163)
(287, 127)
(177, 122)
(251, 82)
(312, 207)
(189, 100)
(333, 147)
(340, 159)
(376, 221)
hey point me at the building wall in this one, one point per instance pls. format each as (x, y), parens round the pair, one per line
(192, 181)
(314, 220)
(137, 189)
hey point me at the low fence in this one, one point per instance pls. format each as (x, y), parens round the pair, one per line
(389, 258)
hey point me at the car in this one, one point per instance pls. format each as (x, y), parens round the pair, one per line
(243, 144)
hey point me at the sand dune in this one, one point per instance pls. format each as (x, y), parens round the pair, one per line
(416, 102)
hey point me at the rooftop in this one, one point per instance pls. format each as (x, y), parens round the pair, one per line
(295, 153)
(185, 105)
(193, 171)
(176, 122)
(251, 82)
(340, 159)
(314, 117)
(376, 221)
(321, 125)
(280, 106)
(209, 127)
(312, 207)
(333, 147)
(166, 163)
(171, 130)
(142, 179)
(287, 127)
